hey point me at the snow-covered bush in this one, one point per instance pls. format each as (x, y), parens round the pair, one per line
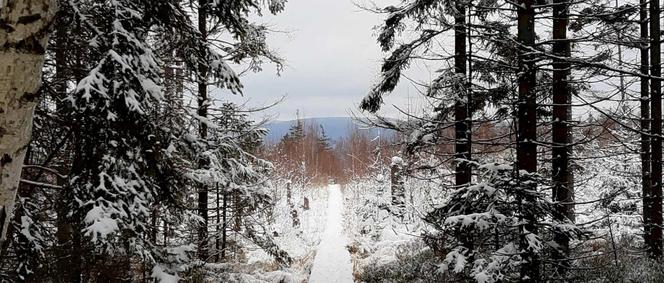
(608, 186)
(124, 155)
(618, 261)
(381, 238)
(489, 230)
(414, 263)
(255, 264)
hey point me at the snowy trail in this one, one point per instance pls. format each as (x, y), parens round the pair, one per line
(332, 263)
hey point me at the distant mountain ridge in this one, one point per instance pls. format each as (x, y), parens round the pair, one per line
(336, 128)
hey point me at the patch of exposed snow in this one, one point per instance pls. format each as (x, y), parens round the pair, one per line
(332, 262)
(160, 275)
(397, 161)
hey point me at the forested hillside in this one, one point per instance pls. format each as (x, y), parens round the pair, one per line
(335, 128)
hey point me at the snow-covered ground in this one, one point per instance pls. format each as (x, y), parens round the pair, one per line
(357, 217)
(332, 263)
(376, 236)
(299, 241)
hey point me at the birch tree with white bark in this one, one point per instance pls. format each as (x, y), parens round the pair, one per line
(24, 31)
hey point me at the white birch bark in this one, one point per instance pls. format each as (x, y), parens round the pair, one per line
(24, 30)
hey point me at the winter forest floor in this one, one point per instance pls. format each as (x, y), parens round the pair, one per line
(330, 244)
(333, 262)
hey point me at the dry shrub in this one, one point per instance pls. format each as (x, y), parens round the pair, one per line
(600, 262)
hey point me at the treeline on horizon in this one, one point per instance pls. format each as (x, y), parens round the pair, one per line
(306, 155)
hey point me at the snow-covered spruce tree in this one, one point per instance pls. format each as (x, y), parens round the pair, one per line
(124, 163)
(31, 248)
(653, 199)
(125, 170)
(482, 76)
(499, 59)
(490, 217)
(215, 20)
(241, 179)
(292, 151)
(625, 26)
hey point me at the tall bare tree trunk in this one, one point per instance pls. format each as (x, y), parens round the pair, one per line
(462, 116)
(23, 38)
(563, 187)
(527, 128)
(653, 229)
(239, 213)
(217, 240)
(203, 132)
(397, 186)
(289, 194)
(645, 117)
(224, 226)
(63, 223)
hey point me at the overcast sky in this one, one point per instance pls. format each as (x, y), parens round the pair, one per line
(332, 60)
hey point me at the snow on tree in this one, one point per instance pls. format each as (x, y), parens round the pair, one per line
(483, 225)
(125, 170)
(397, 173)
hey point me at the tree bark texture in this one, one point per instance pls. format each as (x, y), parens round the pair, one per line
(653, 228)
(527, 128)
(24, 30)
(563, 187)
(462, 126)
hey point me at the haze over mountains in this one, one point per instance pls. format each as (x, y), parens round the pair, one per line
(336, 128)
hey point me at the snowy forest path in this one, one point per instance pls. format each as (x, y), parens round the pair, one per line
(332, 263)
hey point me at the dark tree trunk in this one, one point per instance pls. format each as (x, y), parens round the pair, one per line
(155, 224)
(64, 228)
(202, 111)
(653, 228)
(217, 240)
(238, 213)
(397, 186)
(77, 251)
(527, 129)
(165, 227)
(295, 217)
(289, 195)
(22, 245)
(563, 187)
(224, 225)
(645, 117)
(462, 117)
(63, 235)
